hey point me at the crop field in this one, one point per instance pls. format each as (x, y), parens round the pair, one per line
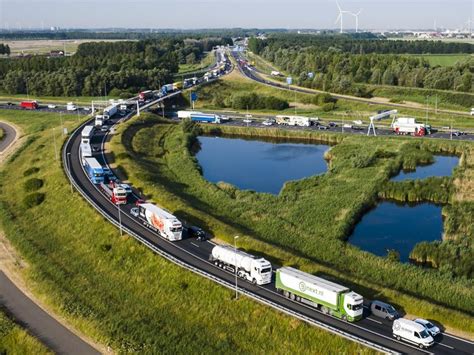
(444, 60)
(15, 340)
(23, 47)
(307, 223)
(115, 290)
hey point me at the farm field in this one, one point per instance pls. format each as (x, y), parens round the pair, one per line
(444, 60)
(115, 290)
(297, 219)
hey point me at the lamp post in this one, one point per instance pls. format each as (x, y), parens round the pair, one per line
(120, 219)
(235, 266)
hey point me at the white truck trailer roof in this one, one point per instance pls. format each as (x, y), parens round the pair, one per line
(87, 130)
(157, 210)
(93, 163)
(328, 285)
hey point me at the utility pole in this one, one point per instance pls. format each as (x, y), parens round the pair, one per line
(55, 147)
(69, 168)
(120, 219)
(61, 119)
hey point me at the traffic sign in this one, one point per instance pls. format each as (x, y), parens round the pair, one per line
(289, 80)
(194, 96)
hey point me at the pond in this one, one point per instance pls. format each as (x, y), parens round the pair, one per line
(259, 165)
(442, 166)
(400, 227)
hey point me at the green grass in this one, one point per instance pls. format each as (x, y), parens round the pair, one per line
(202, 65)
(15, 340)
(81, 100)
(306, 224)
(2, 133)
(443, 60)
(117, 291)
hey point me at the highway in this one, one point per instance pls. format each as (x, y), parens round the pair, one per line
(193, 255)
(9, 137)
(254, 75)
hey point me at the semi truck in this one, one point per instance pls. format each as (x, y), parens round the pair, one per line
(100, 120)
(408, 125)
(86, 150)
(114, 192)
(205, 117)
(145, 95)
(165, 89)
(187, 114)
(110, 110)
(93, 169)
(317, 292)
(293, 121)
(257, 271)
(29, 105)
(161, 221)
(177, 86)
(86, 134)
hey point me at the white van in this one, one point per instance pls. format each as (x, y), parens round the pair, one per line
(412, 332)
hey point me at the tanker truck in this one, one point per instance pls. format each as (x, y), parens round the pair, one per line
(317, 292)
(257, 271)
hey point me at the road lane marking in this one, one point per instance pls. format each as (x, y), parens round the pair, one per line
(197, 246)
(449, 347)
(458, 338)
(373, 320)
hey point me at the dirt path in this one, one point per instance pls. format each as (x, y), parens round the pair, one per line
(30, 312)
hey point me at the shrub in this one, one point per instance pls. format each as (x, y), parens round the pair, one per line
(34, 199)
(31, 171)
(254, 101)
(328, 106)
(33, 184)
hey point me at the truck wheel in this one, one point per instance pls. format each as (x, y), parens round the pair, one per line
(324, 310)
(254, 281)
(298, 298)
(344, 317)
(398, 337)
(292, 297)
(286, 294)
(421, 346)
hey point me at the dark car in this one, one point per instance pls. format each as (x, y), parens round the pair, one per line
(321, 127)
(10, 104)
(196, 232)
(332, 124)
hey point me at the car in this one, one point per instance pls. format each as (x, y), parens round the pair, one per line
(10, 104)
(86, 108)
(332, 124)
(459, 133)
(267, 123)
(347, 125)
(104, 128)
(134, 211)
(430, 327)
(51, 106)
(322, 128)
(126, 187)
(225, 118)
(383, 310)
(197, 233)
(247, 120)
(95, 148)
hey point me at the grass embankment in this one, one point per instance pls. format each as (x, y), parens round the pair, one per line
(202, 65)
(449, 100)
(117, 291)
(2, 133)
(216, 96)
(15, 340)
(308, 218)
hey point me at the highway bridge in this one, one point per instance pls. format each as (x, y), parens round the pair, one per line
(193, 255)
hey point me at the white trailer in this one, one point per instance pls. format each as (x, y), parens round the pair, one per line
(86, 134)
(71, 106)
(187, 114)
(86, 150)
(161, 221)
(110, 110)
(257, 271)
(332, 298)
(408, 125)
(293, 120)
(100, 120)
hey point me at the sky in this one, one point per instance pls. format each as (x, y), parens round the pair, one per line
(187, 14)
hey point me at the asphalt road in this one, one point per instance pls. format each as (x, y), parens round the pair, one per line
(39, 323)
(190, 253)
(8, 138)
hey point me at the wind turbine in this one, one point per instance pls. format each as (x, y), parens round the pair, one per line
(357, 19)
(341, 13)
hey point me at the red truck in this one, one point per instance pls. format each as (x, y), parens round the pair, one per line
(145, 95)
(29, 105)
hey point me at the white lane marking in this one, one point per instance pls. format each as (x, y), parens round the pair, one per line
(197, 246)
(449, 347)
(458, 338)
(373, 320)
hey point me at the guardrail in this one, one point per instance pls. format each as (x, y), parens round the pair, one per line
(173, 259)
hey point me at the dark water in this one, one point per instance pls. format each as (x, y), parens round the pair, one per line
(258, 165)
(442, 166)
(399, 227)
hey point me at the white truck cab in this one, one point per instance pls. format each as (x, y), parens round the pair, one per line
(412, 332)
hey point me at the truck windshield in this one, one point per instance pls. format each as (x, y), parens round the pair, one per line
(97, 174)
(266, 270)
(176, 229)
(355, 307)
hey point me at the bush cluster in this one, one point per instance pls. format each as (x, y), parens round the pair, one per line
(34, 199)
(33, 184)
(253, 101)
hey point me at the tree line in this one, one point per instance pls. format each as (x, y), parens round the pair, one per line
(4, 49)
(332, 66)
(100, 67)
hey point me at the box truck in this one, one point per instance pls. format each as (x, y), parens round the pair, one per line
(317, 292)
(114, 193)
(408, 125)
(257, 271)
(161, 221)
(145, 95)
(411, 332)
